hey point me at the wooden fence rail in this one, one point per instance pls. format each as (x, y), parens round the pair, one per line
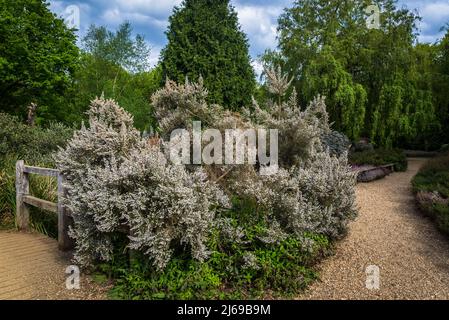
(24, 200)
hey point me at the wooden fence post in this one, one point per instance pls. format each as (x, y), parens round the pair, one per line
(65, 243)
(22, 189)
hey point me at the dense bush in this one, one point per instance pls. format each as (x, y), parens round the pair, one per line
(431, 186)
(32, 144)
(35, 145)
(188, 240)
(139, 189)
(242, 264)
(337, 143)
(379, 157)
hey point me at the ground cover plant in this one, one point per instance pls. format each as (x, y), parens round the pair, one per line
(431, 186)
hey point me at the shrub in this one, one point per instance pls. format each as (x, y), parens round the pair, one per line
(379, 157)
(35, 145)
(337, 143)
(431, 186)
(444, 148)
(140, 190)
(188, 243)
(32, 144)
(434, 177)
(242, 264)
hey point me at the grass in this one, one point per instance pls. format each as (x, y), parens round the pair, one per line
(379, 157)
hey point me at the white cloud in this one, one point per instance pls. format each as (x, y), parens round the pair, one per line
(427, 38)
(258, 68)
(259, 23)
(438, 11)
(158, 7)
(154, 54)
(434, 13)
(116, 16)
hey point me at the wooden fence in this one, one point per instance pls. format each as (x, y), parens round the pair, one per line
(24, 200)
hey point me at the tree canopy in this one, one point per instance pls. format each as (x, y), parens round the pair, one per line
(115, 64)
(38, 56)
(375, 79)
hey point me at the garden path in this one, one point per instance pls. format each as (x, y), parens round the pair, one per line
(32, 267)
(412, 256)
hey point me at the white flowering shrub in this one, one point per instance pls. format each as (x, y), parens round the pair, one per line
(314, 190)
(180, 217)
(116, 182)
(177, 105)
(318, 197)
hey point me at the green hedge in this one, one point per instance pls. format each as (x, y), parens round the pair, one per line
(379, 157)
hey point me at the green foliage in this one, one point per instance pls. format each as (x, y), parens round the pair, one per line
(205, 39)
(118, 47)
(431, 186)
(379, 157)
(434, 177)
(337, 143)
(403, 113)
(439, 55)
(377, 81)
(115, 65)
(38, 56)
(35, 145)
(345, 99)
(249, 268)
(32, 144)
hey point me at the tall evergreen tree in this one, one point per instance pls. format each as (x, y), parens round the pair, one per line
(205, 39)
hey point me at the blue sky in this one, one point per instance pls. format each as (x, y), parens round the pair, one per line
(258, 18)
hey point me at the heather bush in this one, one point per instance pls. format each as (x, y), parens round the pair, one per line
(242, 264)
(116, 181)
(337, 143)
(189, 240)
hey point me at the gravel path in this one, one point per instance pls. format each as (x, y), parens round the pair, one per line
(412, 256)
(31, 267)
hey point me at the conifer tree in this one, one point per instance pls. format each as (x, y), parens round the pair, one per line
(205, 39)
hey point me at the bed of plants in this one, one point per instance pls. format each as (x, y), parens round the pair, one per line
(165, 231)
(379, 157)
(431, 186)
